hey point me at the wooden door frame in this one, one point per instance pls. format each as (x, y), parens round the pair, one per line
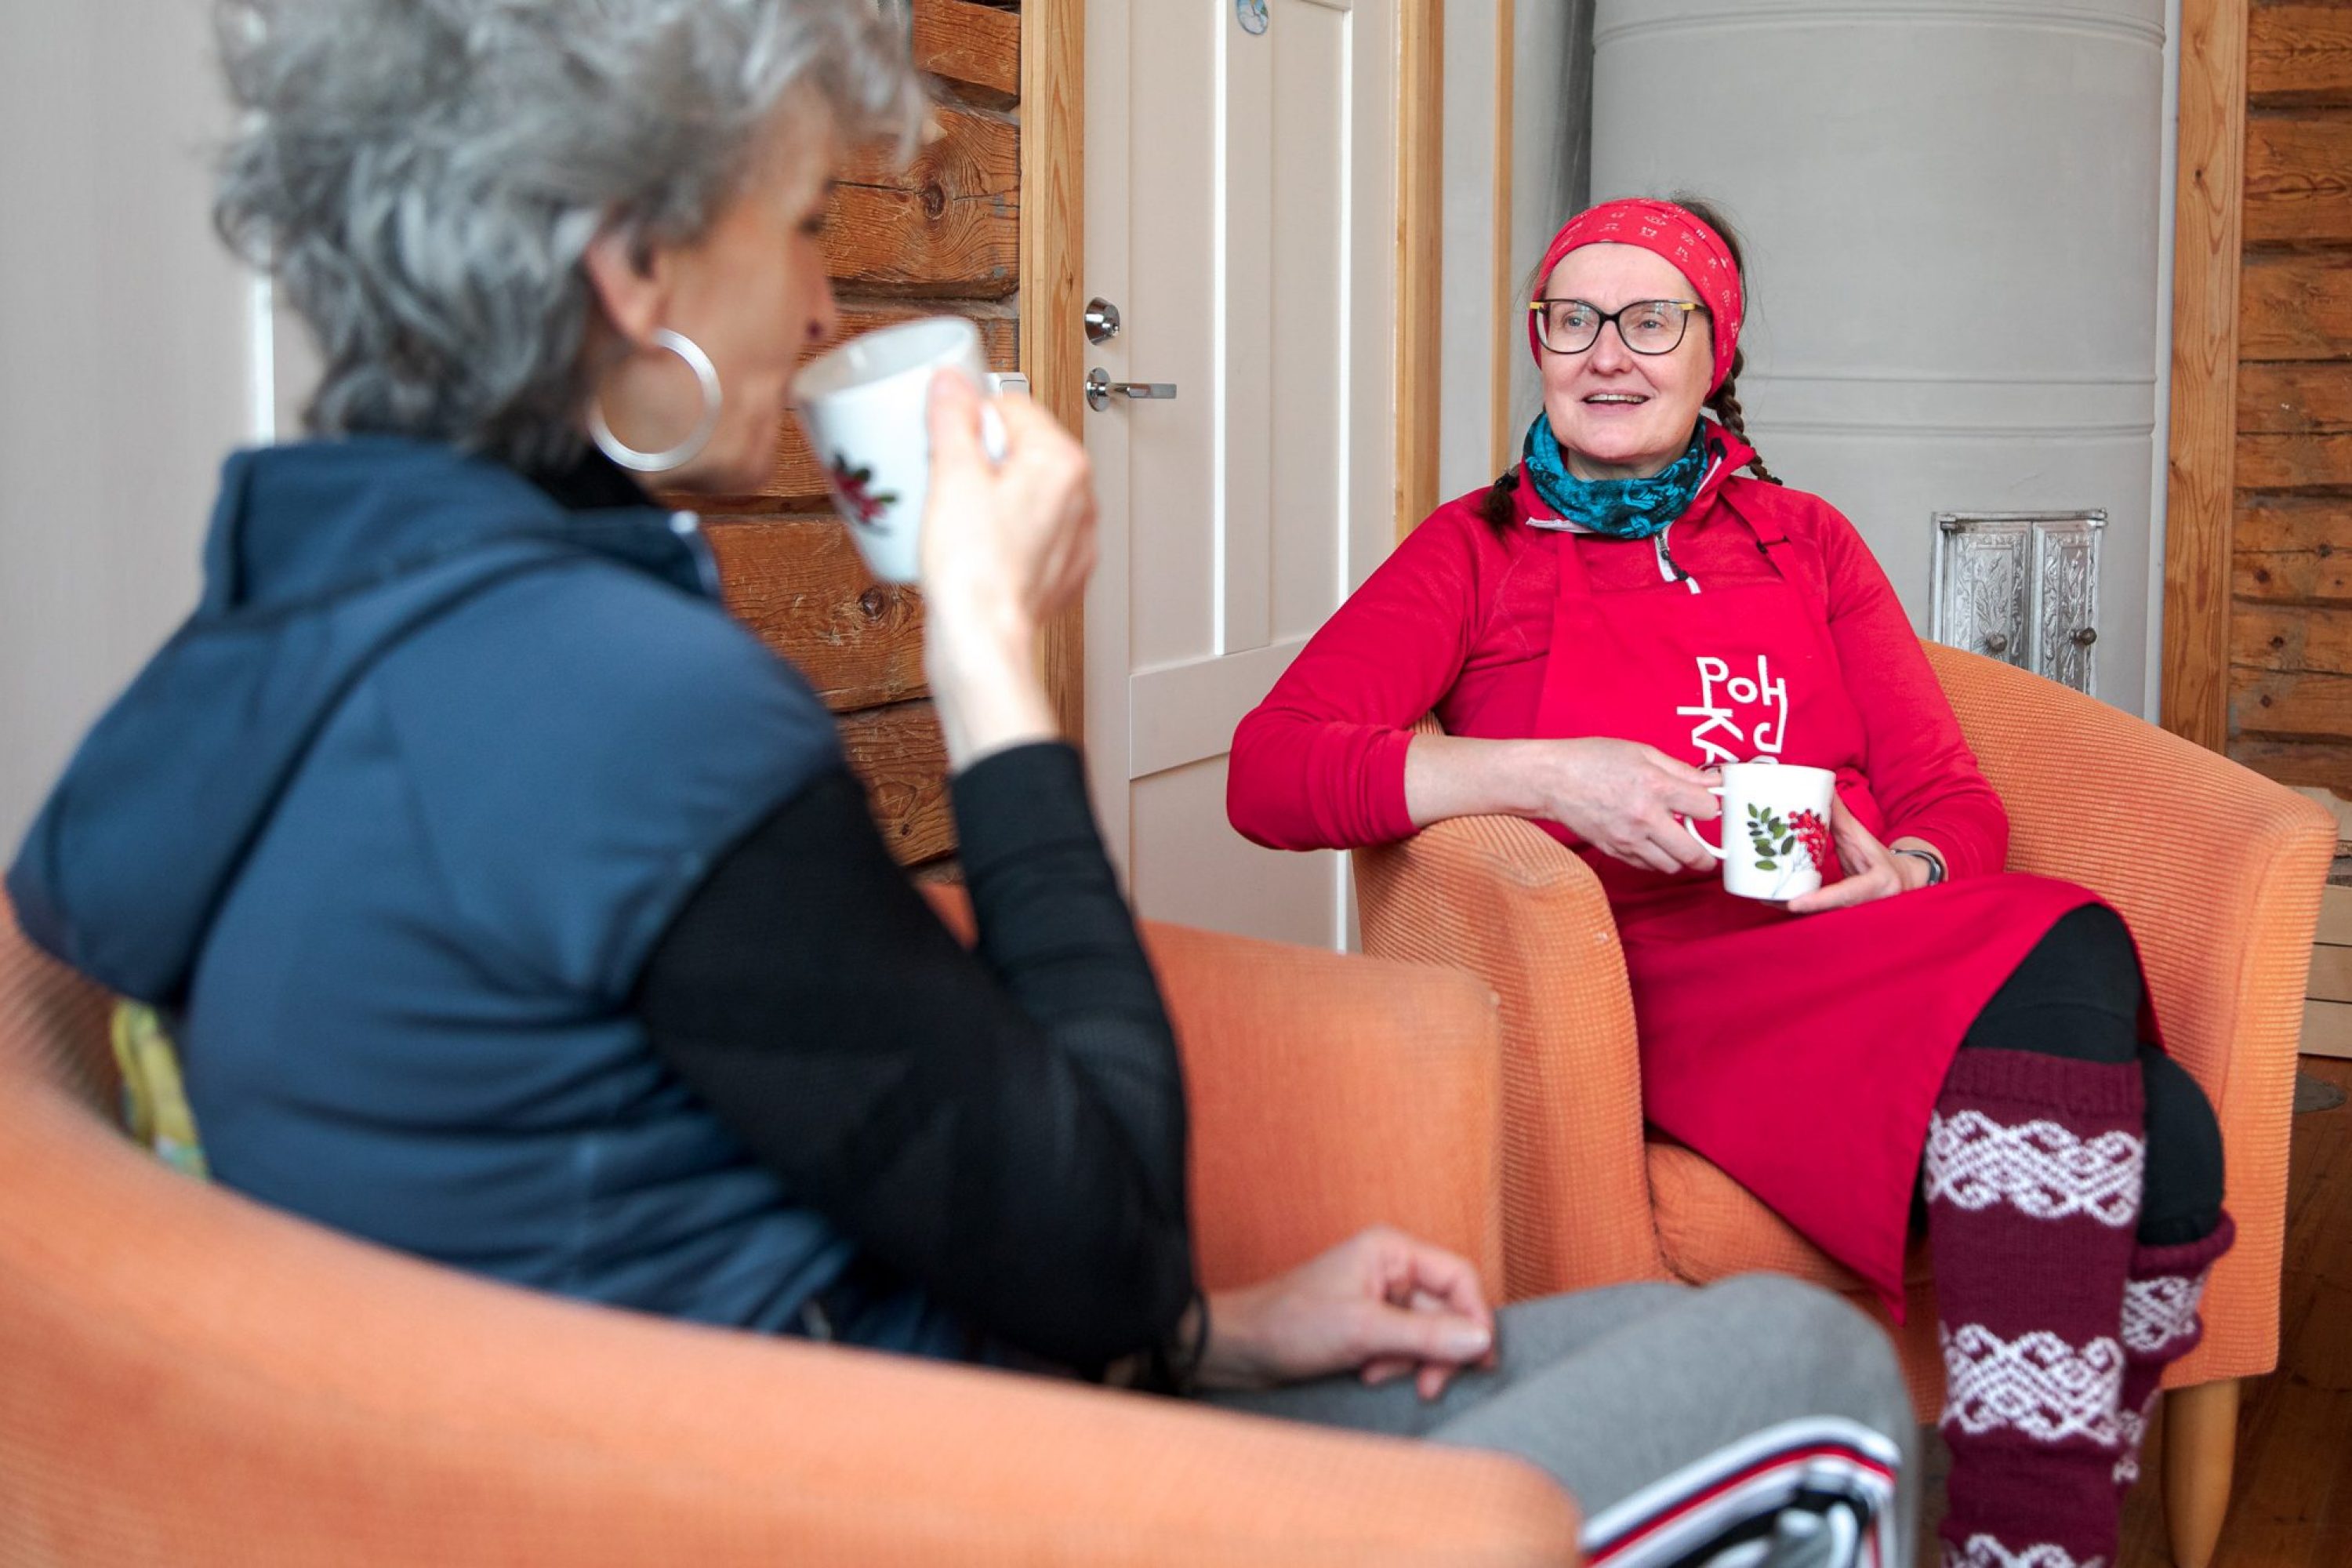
(1420, 237)
(2200, 459)
(1504, 347)
(1052, 270)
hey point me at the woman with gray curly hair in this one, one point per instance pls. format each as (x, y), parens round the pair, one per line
(517, 908)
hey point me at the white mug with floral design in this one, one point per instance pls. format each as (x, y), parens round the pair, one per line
(1776, 830)
(864, 407)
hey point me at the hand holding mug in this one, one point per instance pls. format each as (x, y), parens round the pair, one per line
(986, 502)
(1872, 870)
(1626, 799)
(1007, 543)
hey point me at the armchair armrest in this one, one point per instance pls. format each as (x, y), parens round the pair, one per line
(199, 1380)
(1501, 898)
(2218, 871)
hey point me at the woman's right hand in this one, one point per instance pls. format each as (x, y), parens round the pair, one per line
(1005, 546)
(1009, 543)
(1622, 797)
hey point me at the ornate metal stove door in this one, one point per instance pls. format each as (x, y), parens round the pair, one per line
(2023, 587)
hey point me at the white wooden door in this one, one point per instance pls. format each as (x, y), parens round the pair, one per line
(1240, 192)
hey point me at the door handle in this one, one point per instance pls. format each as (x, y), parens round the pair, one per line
(1101, 389)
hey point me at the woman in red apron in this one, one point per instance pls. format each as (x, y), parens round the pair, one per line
(1621, 614)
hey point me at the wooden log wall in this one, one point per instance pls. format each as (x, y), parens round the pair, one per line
(941, 235)
(2291, 551)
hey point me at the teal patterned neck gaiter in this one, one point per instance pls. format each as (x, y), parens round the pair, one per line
(1615, 508)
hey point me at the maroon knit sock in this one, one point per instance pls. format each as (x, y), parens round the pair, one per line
(2160, 1326)
(2034, 1172)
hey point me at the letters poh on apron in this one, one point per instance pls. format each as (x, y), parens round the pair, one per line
(1725, 699)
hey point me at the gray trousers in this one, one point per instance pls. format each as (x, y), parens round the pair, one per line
(1639, 1398)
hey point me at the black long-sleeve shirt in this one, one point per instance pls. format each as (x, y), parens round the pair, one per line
(1004, 1127)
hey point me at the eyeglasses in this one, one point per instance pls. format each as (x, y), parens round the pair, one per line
(1645, 326)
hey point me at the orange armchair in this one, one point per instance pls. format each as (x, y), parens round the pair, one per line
(2224, 918)
(188, 1378)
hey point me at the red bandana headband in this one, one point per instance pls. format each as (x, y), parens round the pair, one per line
(1664, 229)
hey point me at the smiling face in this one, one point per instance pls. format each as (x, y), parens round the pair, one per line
(1617, 414)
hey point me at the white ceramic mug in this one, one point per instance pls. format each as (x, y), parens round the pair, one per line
(864, 407)
(1775, 829)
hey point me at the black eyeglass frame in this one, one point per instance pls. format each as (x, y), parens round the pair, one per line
(1687, 307)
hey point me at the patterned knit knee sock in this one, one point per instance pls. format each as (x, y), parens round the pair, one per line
(2160, 1326)
(2032, 1176)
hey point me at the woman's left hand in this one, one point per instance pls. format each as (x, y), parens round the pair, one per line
(1871, 869)
(1379, 1305)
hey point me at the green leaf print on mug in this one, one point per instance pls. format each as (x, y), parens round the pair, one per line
(1768, 837)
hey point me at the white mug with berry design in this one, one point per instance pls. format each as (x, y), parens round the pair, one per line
(1776, 830)
(865, 408)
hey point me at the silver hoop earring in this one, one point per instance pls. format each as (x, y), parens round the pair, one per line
(706, 375)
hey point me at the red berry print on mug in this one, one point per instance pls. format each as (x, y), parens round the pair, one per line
(1814, 841)
(855, 486)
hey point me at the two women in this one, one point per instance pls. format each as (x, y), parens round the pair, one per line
(517, 908)
(1623, 611)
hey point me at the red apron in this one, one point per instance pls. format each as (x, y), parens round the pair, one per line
(1801, 1054)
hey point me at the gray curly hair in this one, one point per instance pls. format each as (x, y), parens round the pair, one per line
(423, 177)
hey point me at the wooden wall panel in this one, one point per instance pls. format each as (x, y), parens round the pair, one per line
(947, 224)
(2265, 703)
(2324, 763)
(900, 754)
(799, 584)
(2292, 639)
(2293, 399)
(2295, 305)
(2294, 462)
(2299, 177)
(2294, 549)
(2300, 54)
(2289, 617)
(975, 49)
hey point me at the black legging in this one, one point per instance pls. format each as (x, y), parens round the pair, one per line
(2078, 994)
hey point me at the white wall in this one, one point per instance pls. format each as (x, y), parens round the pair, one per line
(1550, 115)
(126, 359)
(1467, 304)
(1552, 136)
(1956, 232)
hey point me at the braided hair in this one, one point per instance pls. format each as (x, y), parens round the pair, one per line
(1499, 506)
(1725, 402)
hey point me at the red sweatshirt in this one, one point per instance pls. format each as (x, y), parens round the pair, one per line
(1459, 619)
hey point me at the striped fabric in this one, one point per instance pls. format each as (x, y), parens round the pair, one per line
(1827, 1479)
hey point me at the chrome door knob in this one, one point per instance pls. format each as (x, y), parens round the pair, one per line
(1102, 320)
(1101, 389)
